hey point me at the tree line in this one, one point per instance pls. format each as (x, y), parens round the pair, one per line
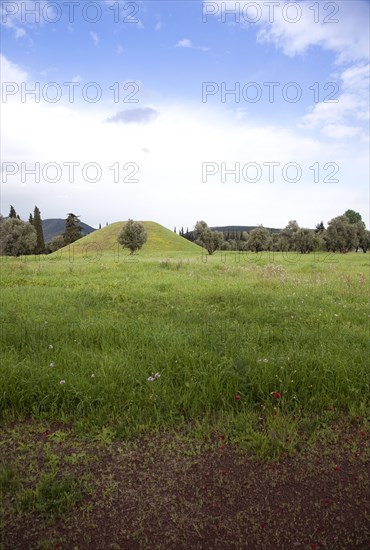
(343, 234)
(18, 237)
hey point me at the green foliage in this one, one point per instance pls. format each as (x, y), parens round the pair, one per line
(132, 236)
(304, 241)
(37, 224)
(56, 244)
(364, 239)
(72, 229)
(9, 478)
(341, 235)
(287, 236)
(12, 213)
(352, 216)
(259, 239)
(210, 240)
(17, 237)
(52, 495)
(320, 227)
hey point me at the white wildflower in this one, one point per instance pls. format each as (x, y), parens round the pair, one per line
(157, 375)
(93, 375)
(151, 379)
(51, 364)
(62, 382)
(50, 346)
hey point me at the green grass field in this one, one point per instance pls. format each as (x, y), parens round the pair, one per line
(266, 346)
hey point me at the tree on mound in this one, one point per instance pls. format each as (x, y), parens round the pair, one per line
(72, 229)
(132, 236)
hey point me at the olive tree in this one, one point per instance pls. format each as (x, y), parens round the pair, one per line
(259, 239)
(17, 237)
(341, 235)
(132, 236)
(204, 236)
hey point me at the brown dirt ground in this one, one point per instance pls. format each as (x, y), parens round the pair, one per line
(170, 491)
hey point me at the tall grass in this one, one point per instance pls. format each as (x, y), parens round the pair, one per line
(287, 337)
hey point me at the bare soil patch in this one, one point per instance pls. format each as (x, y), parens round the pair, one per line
(169, 490)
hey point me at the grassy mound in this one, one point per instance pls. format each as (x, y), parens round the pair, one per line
(161, 241)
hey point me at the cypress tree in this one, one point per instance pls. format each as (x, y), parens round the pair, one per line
(37, 224)
(30, 219)
(72, 229)
(12, 213)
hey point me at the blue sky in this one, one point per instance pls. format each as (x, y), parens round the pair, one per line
(172, 144)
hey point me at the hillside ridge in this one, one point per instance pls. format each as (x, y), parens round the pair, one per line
(160, 240)
(52, 227)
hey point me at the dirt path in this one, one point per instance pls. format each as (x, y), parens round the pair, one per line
(169, 491)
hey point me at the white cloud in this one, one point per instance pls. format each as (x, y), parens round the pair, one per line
(19, 32)
(294, 27)
(140, 115)
(186, 43)
(340, 131)
(347, 35)
(351, 108)
(11, 72)
(170, 188)
(94, 37)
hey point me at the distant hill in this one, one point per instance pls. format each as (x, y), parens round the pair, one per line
(54, 227)
(160, 241)
(248, 228)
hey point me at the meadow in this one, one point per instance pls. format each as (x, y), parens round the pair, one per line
(232, 336)
(175, 400)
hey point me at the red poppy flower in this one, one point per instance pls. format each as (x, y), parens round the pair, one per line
(362, 434)
(277, 394)
(237, 397)
(338, 468)
(222, 437)
(313, 545)
(262, 525)
(222, 446)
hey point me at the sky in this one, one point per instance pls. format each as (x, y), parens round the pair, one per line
(236, 113)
